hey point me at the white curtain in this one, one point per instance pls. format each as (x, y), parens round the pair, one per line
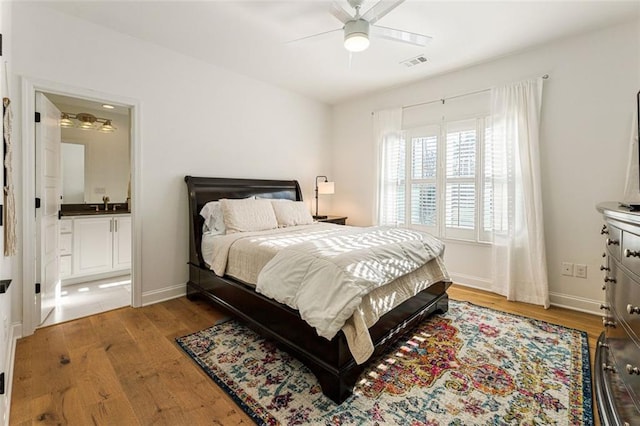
(514, 191)
(389, 145)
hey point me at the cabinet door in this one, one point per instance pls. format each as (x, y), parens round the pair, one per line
(122, 242)
(92, 245)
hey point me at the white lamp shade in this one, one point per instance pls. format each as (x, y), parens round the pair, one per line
(356, 42)
(326, 187)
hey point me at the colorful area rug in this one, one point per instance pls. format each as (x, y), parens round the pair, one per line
(470, 366)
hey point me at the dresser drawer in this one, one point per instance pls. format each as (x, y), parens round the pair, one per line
(630, 252)
(613, 241)
(625, 353)
(624, 298)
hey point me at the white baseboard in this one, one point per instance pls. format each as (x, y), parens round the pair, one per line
(470, 281)
(167, 293)
(560, 300)
(576, 303)
(14, 334)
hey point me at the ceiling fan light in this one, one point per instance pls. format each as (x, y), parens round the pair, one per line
(356, 35)
(356, 42)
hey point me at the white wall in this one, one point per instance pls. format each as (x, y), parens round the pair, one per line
(588, 104)
(196, 119)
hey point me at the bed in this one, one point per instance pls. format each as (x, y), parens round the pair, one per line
(330, 360)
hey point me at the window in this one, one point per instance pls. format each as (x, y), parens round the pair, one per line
(438, 179)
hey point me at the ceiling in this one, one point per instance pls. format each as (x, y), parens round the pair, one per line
(250, 37)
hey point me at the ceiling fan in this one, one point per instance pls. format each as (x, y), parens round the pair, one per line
(357, 28)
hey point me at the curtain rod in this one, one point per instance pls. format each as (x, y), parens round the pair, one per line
(544, 77)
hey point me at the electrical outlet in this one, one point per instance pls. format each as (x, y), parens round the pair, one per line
(580, 270)
(567, 269)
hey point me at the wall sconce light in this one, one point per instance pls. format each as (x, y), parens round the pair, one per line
(86, 121)
(324, 187)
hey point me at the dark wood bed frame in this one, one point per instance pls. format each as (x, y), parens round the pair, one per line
(330, 361)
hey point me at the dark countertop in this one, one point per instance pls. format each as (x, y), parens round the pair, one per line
(67, 210)
(92, 213)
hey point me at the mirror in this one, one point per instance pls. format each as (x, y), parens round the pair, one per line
(72, 173)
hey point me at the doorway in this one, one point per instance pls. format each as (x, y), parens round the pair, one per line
(79, 99)
(95, 168)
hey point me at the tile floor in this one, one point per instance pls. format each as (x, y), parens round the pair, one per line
(84, 299)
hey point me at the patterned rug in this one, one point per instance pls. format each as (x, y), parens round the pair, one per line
(471, 366)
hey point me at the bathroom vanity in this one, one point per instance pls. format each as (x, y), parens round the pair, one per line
(94, 244)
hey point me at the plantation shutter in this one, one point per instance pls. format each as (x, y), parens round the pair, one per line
(460, 179)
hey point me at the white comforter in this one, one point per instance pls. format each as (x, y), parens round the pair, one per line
(325, 278)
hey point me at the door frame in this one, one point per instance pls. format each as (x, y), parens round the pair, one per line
(29, 88)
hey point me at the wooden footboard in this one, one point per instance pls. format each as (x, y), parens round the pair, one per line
(331, 361)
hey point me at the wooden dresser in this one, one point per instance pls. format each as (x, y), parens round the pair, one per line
(617, 369)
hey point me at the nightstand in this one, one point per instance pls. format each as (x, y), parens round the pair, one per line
(339, 220)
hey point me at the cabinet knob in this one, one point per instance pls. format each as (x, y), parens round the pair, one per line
(604, 307)
(633, 309)
(608, 323)
(630, 253)
(608, 279)
(611, 242)
(606, 367)
(632, 370)
(604, 230)
(604, 268)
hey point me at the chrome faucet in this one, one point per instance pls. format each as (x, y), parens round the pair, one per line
(105, 199)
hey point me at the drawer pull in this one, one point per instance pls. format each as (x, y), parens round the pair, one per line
(609, 280)
(604, 230)
(606, 367)
(604, 268)
(603, 345)
(604, 307)
(611, 242)
(633, 309)
(633, 370)
(630, 253)
(608, 323)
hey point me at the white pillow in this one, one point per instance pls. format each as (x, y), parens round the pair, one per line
(248, 215)
(291, 213)
(213, 220)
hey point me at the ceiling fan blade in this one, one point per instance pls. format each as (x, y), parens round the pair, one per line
(400, 35)
(339, 13)
(380, 9)
(313, 36)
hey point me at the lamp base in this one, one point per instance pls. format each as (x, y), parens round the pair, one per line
(320, 217)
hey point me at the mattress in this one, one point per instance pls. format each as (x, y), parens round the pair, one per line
(248, 253)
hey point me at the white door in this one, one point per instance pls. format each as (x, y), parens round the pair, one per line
(48, 189)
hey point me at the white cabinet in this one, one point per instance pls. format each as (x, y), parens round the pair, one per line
(122, 242)
(66, 247)
(94, 245)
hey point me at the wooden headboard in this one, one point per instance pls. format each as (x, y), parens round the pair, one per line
(205, 189)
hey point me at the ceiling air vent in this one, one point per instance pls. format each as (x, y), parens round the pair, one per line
(421, 59)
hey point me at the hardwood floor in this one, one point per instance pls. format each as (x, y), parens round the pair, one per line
(123, 367)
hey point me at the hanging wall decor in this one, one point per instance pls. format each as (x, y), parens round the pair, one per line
(9, 198)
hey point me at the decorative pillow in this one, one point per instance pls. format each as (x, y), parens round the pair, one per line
(291, 213)
(213, 220)
(248, 215)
